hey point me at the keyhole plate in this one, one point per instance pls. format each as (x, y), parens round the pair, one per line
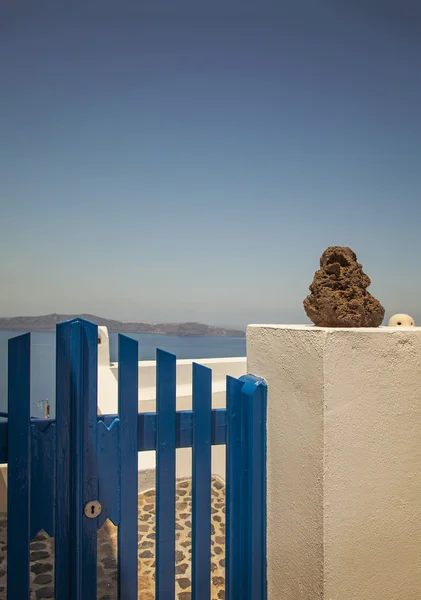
(93, 509)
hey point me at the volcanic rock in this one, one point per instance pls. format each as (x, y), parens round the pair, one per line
(339, 296)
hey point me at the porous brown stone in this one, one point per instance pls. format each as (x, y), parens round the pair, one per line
(339, 296)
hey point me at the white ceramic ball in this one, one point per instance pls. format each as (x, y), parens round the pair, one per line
(401, 321)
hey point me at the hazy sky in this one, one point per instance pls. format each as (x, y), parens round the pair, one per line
(172, 161)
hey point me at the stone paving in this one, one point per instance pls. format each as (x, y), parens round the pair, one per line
(42, 550)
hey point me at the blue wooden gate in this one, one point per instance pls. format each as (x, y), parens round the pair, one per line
(59, 470)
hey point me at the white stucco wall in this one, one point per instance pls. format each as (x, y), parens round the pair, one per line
(344, 461)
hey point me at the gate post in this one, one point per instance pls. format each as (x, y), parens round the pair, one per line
(254, 395)
(246, 489)
(77, 473)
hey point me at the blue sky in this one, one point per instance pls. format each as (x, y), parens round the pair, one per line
(173, 161)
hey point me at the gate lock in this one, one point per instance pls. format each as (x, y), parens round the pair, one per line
(93, 509)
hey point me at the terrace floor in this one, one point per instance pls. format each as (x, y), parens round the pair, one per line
(42, 550)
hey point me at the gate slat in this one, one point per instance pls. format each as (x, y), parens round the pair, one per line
(19, 466)
(62, 504)
(201, 489)
(43, 463)
(165, 475)
(146, 437)
(128, 410)
(234, 481)
(77, 473)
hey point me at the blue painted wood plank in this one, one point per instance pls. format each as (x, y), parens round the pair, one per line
(108, 444)
(18, 492)
(254, 401)
(128, 411)
(43, 480)
(84, 450)
(62, 516)
(4, 437)
(147, 430)
(219, 427)
(201, 482)
(234, 577)
(77, 479)
(243, 503)
(165, 475)
(146, 440)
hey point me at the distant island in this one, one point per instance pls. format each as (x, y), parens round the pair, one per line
(49, 322)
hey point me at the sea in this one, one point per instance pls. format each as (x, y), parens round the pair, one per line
(43, 348)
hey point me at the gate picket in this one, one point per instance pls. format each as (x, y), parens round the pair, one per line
(77, 473)
(201, 482)
(19, 467)
(128, 410)
(165, 475)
